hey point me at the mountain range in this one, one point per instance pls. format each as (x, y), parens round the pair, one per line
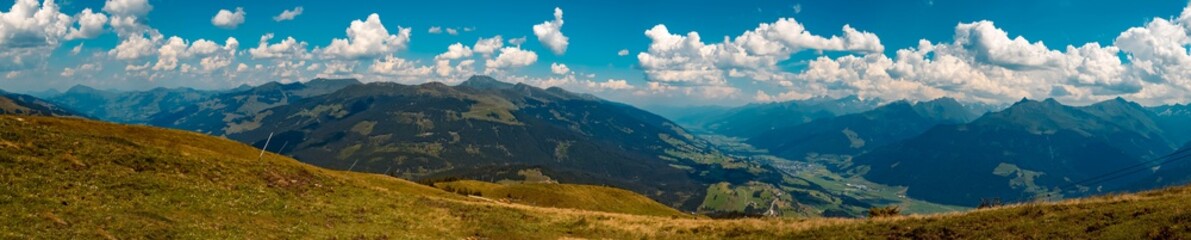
(853, 134)
(1032, 149)
(481, 129)
(753, 119)
(20, 104)
(126, 107)
(942, 151)
(241, 109)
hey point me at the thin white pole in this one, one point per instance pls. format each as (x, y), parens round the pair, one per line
(266, 146)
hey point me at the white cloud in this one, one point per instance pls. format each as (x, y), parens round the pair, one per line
(993, 45)
(487, 46)
(452, 31)
(510, 57)
(622, 52)
(337, 69)
(517, 41)
(688, 61)
(227, 19)
(76, 49)
(393, 66)
(560, 69)
(435, 30)
(573, 82)
(81, 69)
(611, 84)
(127, 16)
(288, 48)
(176, 49)
(288, 14)
(442, 62)
(169, 53)
(127, 7)
(214, 56)
(29, 32)
(367, 39)
(455, 51)
(136, 46)
(984, 64)
(550, 33)
(90, 25)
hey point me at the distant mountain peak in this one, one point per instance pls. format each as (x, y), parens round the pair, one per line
(485, 82)
(947, 100)
(80, 88)
(899, 103)
(1051, 101)
(1023, 100)
(434, 85)
(333, 81)
(269, 86)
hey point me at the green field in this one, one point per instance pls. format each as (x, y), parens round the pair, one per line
(830, 188)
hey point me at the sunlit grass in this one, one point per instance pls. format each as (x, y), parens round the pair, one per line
(69, 178)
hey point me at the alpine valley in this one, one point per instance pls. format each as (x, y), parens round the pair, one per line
(555, 148)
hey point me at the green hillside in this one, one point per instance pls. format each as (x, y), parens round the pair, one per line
(1158, 214)
(587, 197)
(71, 178)
(20, 104)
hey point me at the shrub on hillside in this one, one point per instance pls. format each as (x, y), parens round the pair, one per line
(879, 212)
(990, 203)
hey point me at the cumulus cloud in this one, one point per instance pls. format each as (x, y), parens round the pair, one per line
(367, 39)
(622, 52)
(685, 60)
(127, 7)
(517, 41)
(86, 68)
(452, 31)
(987, 43)
(216, 57)
(90, 25)
(169, 53)
(336, 69)
(442, 62)
(984, 64)
(288, 14)
(487, 46)
(136, 46)
(288, 48)
(227, 19)
(510, 57)
(560, 69)
(575, 82)
(550, 33)
(455, 51)
(29, 31)
(435, 30)
(611, 84)
(394, 66)
(176, 49)
(30, 24)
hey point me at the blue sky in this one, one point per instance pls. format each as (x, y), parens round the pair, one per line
(985, 69)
